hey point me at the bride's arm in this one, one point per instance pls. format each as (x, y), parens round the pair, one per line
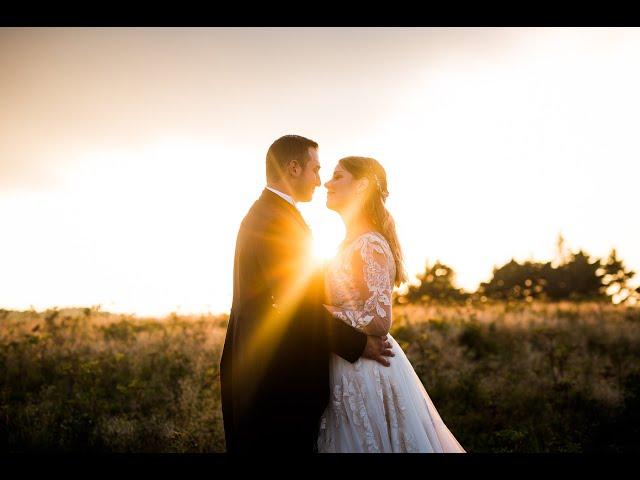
(372, 277)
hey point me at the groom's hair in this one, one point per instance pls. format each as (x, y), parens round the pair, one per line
(285, 149)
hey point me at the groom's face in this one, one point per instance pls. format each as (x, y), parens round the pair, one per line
(309, 178)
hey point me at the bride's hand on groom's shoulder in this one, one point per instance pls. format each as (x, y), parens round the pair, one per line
(378, 348)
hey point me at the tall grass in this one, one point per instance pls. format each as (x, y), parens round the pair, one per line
(87, 381)
(505, 377)
(530, 377)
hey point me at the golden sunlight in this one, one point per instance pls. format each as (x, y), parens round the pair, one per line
(324, 247)
(326, 226)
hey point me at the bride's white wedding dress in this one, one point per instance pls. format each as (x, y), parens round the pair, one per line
(374, 408)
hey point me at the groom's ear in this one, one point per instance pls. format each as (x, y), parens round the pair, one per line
(294, 168)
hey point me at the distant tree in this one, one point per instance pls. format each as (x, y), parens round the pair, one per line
(514, 281)
(436, 283)
(577, 279)
(572, 276)
(615, 279)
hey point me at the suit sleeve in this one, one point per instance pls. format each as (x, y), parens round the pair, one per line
(344, 340)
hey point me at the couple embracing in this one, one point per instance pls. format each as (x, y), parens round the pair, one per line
(308, 364)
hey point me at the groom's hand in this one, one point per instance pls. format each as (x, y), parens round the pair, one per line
(377, 348)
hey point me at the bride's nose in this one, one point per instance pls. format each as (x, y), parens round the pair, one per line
(326, 183)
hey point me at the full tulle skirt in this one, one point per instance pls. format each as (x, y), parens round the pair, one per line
(374, 408)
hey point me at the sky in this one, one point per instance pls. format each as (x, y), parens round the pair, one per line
(128, 156)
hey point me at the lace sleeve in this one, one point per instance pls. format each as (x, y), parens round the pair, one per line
(373, 278)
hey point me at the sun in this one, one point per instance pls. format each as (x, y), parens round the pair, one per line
(327, 229)
(327, 235)
(323, 248)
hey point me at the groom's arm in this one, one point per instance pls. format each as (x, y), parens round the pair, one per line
(344, 340)
(347, 341)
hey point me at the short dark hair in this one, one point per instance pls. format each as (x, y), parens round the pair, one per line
(285, 149)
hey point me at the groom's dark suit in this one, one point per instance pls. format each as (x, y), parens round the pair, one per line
(274, 370)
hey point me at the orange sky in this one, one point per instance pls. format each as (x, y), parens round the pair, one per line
(129, 155)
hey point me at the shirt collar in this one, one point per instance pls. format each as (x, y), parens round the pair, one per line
(288, 198)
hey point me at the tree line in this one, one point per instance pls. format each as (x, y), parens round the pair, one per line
(575, 276)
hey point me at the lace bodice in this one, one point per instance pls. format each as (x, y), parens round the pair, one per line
(359, 282)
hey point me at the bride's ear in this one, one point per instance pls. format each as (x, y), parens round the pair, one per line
(362, 185)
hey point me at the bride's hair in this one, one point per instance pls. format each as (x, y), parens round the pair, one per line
(377, 213)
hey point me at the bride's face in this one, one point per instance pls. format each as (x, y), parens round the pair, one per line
(342, 190)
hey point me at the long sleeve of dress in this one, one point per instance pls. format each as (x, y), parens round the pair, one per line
(372, 280)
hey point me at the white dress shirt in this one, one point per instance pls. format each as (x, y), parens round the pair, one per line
(288, 198)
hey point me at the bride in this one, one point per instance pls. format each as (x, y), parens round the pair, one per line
(372, 408)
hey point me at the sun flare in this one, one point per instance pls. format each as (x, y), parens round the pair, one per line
(327, 230)
(323, 249)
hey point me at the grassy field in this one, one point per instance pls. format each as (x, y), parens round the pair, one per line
(505, 378)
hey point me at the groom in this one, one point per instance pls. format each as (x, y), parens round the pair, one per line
(274, 370)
